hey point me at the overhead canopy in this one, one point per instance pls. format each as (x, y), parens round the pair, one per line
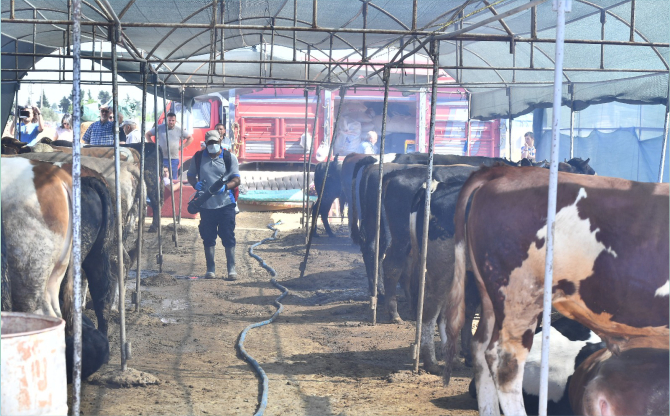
(501, 50)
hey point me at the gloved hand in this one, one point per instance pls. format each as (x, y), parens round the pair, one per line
(198, 186)
(222, 190)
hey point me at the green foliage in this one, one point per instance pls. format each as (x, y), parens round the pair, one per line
(104, 96)
(65, 105)
(89, 99)
(44, 101)
(49, 115)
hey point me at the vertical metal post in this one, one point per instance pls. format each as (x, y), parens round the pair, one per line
(421, 111)
(373, 298)
(181, 156)
(343, 91)
(426, 214)
(35, 38)
(261, 65)
(295, 22)
(603, 19)
(632, 21)
(223, 42)
(330, 57)
(314, 9)
(551, 205)
(143, 198)
(17, 122)
(533, 33)
(272, 45)
(11, 10)
(305, 185)
(311, 147)
(159, 172)
(364, 49)
(167, 140)
(93, 48)
(67, 32)
(572, 121)
(414, 14)
(665, 142)
(117, 180)
(75, 267)
(309, 55)
(511, 120)
(468, 126)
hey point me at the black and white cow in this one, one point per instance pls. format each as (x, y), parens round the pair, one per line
(331, 191)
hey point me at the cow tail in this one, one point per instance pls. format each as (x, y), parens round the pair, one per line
(103, 244)
(6, 291)
(455, 305)
(67, 285)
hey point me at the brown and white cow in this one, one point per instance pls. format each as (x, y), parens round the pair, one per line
(634, 382)
(610, 268)
(37, 233)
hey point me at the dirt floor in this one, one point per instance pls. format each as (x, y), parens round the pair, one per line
(322, 355)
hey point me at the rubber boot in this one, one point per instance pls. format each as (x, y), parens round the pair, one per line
(211, 267)
(230, 263)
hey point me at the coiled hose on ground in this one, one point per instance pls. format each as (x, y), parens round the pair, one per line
(280, 308)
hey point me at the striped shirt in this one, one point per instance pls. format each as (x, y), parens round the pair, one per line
(100, 134)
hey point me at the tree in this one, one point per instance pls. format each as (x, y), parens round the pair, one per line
(131, 106)
(65, 104)
(104, 96)
(44, 101)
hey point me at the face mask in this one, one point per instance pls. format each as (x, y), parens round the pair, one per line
(166, 181)
(213, 148)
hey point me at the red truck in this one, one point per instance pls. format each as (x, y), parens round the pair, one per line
(268, 123)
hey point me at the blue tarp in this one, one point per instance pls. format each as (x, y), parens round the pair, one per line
(619, 154)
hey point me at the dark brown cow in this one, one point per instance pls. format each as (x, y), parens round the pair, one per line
(331, 192)
(610, 268)
(632, 383)
(347, 178)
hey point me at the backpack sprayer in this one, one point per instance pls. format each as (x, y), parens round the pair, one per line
(200, 197)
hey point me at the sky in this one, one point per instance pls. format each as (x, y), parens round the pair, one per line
(56, 91)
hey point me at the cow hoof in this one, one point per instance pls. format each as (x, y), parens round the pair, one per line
(152, 229)
(396, 320)
(434, 369)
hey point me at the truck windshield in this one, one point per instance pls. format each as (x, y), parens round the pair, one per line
(202, 113)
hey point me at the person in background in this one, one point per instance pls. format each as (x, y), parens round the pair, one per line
(64, 131)
(176, 186)
(528, 149)
(169, 138)
(217, 216)
(102, 131)
(368, 144)
(129, 128)
(31, 124)
(122, 134)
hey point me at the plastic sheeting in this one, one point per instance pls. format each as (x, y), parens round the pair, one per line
(619, 154)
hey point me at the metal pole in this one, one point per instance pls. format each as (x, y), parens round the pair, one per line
(295, 23)
(181, 157)
(303, 265)
(119, 219)
(572, 121)
(511, 120)
(551, 205)
(143, 210)
(17, 124)
(167, 140)
(159, 182)
(76, 206)
(426, 214)
(305, 185)
(373, 298)
(311, 148)
(665, 143)
(468, 127)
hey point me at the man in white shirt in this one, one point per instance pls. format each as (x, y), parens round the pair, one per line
(132, 133)
(169, 143)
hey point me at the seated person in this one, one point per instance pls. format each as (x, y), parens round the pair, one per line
(368, 144)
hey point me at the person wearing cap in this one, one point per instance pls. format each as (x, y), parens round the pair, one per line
(217, 215)
(129, 127)
(170, 142)
(102, 131)
(30, 125)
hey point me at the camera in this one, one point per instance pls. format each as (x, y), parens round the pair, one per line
(24, 114)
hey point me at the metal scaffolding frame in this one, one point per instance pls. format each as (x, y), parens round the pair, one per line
(407, 42)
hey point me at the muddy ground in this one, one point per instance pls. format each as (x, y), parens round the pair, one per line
(322, 355)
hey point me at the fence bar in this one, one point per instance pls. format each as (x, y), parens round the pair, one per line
(143, 210)
(305, 175)
(119, 222)
(572, 121)
(75, 267)
(169, 155)
(295, 23)
(551, 206)
(665, 142)
(468, 127)
(303, 265)
(511, 120)
(426, 214)
(373, 298)
(181, 158)
(159, 176)
(311, 148)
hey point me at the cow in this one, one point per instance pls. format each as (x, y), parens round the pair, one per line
(94, 350)
(347, 178)
(571, 344)
(634, 382)
(37, 233)
(610, 268)
(129, 187)
(331, 192)
(422, 158)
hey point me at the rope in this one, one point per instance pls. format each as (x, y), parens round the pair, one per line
(240, 344)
